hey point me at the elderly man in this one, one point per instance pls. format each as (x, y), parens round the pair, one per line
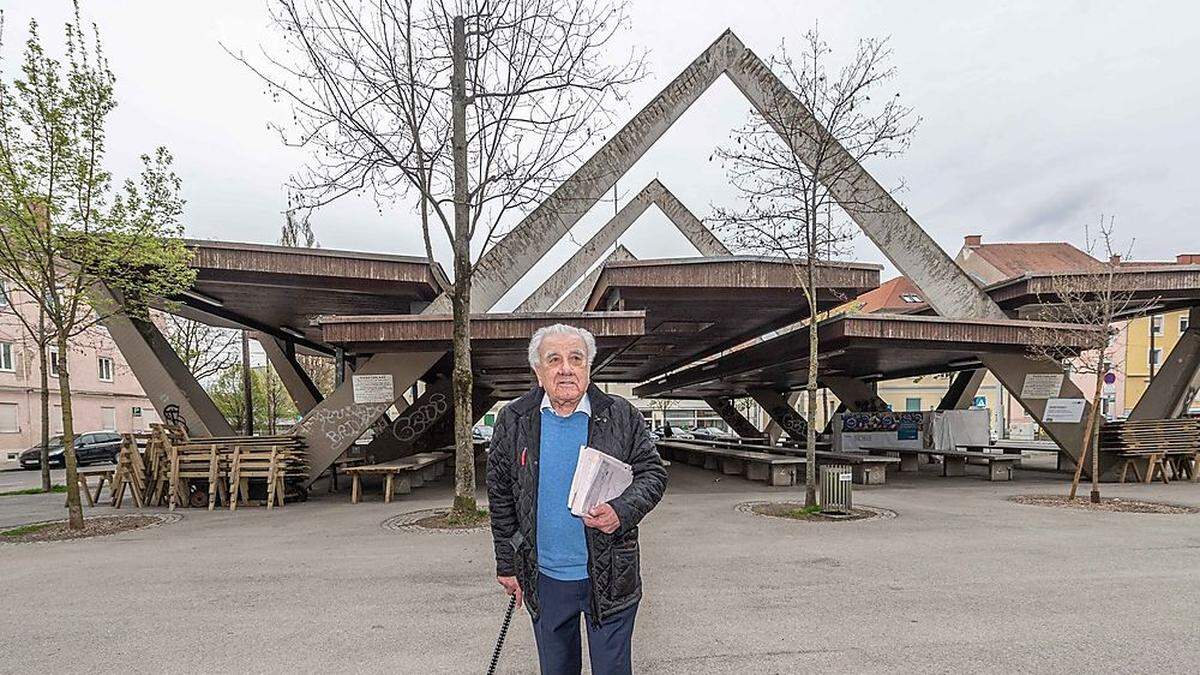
(559, 564)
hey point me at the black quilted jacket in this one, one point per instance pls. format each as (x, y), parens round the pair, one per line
(617, 428)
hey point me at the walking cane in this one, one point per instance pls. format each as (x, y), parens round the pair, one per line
(512, 603)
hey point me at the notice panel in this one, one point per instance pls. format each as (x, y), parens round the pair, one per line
(1068, 410)
(1041, 385)
(373, 389)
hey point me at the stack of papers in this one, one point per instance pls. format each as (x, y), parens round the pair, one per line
(599, 478)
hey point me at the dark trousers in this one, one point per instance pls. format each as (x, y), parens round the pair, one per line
(557, 631)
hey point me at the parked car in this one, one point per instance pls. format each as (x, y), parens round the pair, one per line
(90, 448)
(711, 433)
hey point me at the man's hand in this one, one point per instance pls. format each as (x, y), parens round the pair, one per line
(603, 518)
(511, 587)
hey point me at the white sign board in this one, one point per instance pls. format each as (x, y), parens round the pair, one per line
(374, 389)
(1041, 385)
(1068, 410)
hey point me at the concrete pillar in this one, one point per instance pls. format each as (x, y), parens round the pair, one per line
(856, 395)
(299, 385)
(426, 424)
(577, 299)
(163, 375)
(774, 431)
(337, 421)
(505, 263)
(776, 406)
(735, 419)
(655, 193)
(963, 388)
(1175, 384)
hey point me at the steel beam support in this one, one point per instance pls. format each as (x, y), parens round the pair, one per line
(733, 417)
(1175, 384)
(961, 393)
(299, 385)
(655, 194)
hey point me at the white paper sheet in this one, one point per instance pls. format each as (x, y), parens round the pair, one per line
(598, 478)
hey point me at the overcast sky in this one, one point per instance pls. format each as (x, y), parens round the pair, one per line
(1037, 117)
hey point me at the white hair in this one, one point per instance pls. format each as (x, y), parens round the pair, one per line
(535, 342)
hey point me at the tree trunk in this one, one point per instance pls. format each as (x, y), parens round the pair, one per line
(462, 383)
(247, 385)
(1094, 434)
(810, 441)
(1090, 444)
(74, 506)
(44, 395)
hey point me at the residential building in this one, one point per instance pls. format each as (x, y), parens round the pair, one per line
(105, 394)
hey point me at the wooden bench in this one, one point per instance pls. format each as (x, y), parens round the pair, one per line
(954, 462)
(104, 473)
(400, 475)
(867, 469)
(761, 466)
(1182, 464)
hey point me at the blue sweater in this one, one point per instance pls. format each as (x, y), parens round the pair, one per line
(562, 548)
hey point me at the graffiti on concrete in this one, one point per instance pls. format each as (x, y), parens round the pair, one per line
(418, 418)
(343, 424)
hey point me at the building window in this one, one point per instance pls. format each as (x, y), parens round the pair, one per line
(912, 404)
(106, 369)
(1156, 325)
(53, 363)
(910, 298)
(3, 293)
(6, 359)
(1155, 356)
(108, 418)
(9, 419)
(1183, 323)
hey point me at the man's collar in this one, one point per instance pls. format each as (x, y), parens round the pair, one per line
(584, 406)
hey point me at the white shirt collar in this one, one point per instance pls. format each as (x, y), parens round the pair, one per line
(585, 405)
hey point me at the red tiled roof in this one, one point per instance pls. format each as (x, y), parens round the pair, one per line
(1013, 260)
(891, 297)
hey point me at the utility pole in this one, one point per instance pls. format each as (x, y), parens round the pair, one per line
(247, 388)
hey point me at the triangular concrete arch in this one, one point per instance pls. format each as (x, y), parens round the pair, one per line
(947, 288)
(656, 194)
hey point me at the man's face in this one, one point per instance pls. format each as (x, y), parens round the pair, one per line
(562, 368)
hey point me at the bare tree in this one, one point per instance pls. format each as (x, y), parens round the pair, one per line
(1093, 298)
(205, 350)
(786, 210)
(475, 108)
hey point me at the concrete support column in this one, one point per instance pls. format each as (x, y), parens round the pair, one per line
(577, 299)
(963, 388)
(773, 430)
(164, 377)
(1013, 369)
(298, 384)
(1175, 384)
(337, 421)
(776, 406)
(735, 419)
(856, 395)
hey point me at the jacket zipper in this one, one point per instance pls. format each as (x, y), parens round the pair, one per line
(591, 577)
